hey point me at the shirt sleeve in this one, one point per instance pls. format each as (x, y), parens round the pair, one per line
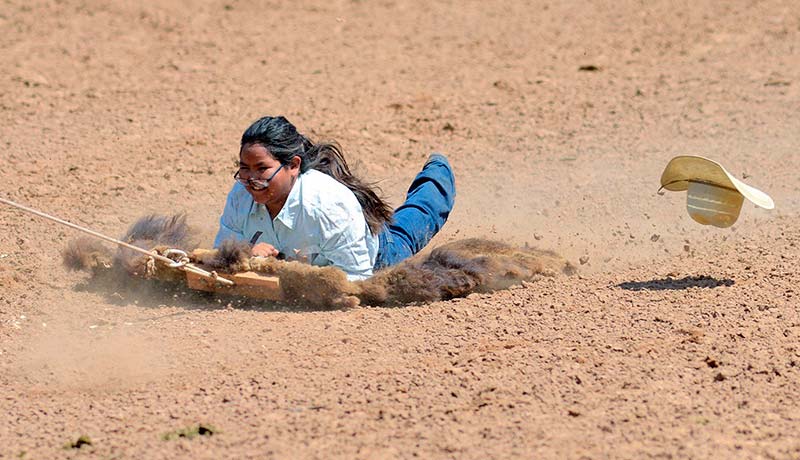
(231, 223)
(344, 240)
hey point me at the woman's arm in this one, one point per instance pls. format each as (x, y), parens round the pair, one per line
(231, 223)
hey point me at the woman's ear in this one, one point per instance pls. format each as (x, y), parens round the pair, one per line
(295, 162)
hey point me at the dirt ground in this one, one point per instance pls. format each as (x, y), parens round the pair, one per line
(674, 340)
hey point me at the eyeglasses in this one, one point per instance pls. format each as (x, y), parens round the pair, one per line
(256, 184)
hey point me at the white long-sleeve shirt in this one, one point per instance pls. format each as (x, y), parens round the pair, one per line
(321, 223)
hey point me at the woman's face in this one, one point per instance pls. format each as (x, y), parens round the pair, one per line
(256, 163)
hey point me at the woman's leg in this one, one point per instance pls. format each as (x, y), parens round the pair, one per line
(429, 201)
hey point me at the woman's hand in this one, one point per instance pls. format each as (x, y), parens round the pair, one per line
(264, 250)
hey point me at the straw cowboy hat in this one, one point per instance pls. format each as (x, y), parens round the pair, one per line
(714, 195)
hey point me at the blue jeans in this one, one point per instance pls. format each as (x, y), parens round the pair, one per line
(429, 201)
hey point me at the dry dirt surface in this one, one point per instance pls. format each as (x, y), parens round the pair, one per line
(673, 340)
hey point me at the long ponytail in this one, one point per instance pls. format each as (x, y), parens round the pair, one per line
(328, 158)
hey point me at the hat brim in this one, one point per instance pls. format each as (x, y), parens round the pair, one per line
(682, 170)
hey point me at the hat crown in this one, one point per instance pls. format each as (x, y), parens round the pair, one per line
(709, 204)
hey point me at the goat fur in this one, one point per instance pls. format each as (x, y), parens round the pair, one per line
(455, 269)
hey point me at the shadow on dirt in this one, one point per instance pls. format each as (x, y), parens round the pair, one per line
(672, 284)
(121, 290)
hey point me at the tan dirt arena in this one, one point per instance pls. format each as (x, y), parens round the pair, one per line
(673, 340)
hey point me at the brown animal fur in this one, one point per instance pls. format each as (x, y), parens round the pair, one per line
(85, 253)
(302, 284)
(151, 232)
(232, 256)
(321, 287)
(456, 269)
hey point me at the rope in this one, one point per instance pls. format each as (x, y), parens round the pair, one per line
(181, 264)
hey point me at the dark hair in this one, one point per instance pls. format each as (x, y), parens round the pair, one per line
(282, 141)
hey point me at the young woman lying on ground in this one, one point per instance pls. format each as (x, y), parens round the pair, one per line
(298, 200)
